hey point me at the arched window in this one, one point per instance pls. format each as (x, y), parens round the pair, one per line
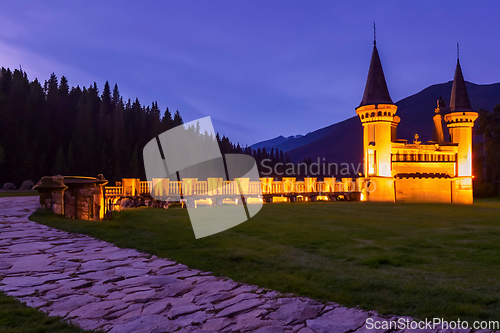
(385, 113)
(373, 114)
(379, 113)
(362, 117)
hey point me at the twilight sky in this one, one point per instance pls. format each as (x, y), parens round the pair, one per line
(259, 68)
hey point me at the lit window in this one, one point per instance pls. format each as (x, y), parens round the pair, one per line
(371, 161)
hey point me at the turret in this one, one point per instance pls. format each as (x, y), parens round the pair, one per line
(438, 135)
(377, 113)
(460, 122)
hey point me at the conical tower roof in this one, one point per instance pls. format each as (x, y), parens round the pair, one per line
(459, 100)
(376, 91)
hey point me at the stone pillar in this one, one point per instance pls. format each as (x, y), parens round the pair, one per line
(288, 184)
(267, 185)
(131, 186)
(188, 185)
(51, 190)
(310, 183)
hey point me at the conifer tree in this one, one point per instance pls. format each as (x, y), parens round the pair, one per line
(53, 128)
(177, 119)
(70, 159)
(59, 164)
(2, 154)
(167, 121)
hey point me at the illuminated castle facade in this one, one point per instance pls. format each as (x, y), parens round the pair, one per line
(398, 171)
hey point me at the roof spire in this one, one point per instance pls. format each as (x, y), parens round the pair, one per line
(459, 100)
(458, 52)
(376, 91)
(374, 34)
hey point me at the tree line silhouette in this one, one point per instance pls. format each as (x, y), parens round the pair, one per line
(487, 153)
(51, 128)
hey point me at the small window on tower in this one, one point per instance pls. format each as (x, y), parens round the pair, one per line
(371, 161)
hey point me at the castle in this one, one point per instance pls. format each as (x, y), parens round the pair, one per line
(398, 171)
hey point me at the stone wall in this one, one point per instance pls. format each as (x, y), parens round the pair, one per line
(75, 197)
(437, 190)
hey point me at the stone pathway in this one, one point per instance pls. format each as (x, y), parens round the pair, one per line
(98, 285)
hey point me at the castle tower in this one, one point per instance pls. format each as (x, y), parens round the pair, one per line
(460, 122)
(438, 135)
(377, 114)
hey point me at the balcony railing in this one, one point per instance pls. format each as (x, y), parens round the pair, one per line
(216, 186)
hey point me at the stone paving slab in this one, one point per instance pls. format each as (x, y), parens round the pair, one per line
(98, 285)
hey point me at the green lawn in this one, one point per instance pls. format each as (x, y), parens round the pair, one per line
(408, 259)
(18, 193)
(18, 318)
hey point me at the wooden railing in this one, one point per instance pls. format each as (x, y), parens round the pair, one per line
(145, 186)
(217, 186)
(113, 190)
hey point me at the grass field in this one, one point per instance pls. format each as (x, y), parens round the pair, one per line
(408, 259)
(17, 193)
(18, 318)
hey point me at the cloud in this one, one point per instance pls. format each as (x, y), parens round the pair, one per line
(38, 66)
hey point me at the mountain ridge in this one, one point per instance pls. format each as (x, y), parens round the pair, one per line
(416, 112)
(342, 141)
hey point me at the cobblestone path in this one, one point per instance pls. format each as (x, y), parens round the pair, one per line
(98, 285)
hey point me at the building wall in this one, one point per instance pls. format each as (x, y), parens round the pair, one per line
(424, 167)
(463, 136)
(462, 191)
(438, 190)
(460, 126)
(380, 189)
(377, 122)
